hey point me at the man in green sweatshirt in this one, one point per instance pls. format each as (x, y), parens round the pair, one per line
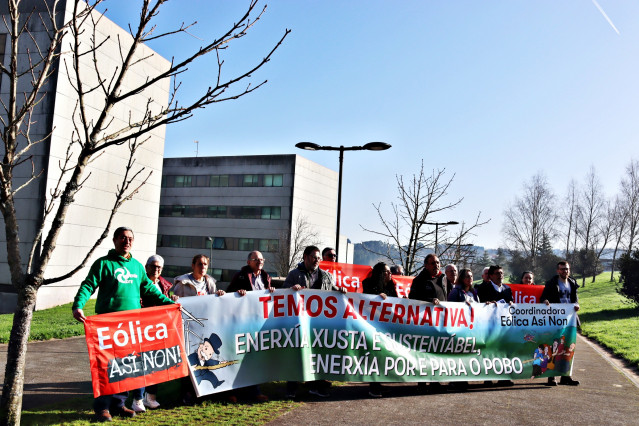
(121, 281)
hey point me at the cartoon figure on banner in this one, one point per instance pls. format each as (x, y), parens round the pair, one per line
(553, 355)
(546, 358)
(568, 354)
(538, 358)
(206, 357)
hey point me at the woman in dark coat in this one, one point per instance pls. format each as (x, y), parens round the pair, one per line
(380, 282)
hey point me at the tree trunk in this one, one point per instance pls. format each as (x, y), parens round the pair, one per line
(11, 403)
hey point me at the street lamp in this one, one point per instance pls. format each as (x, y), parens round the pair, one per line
(210, 255)
(437, 225)
(371, 146)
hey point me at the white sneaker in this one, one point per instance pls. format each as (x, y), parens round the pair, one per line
(138, 406)
(150, 401)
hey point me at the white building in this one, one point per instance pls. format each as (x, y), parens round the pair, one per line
(229, 206)
(88, 214)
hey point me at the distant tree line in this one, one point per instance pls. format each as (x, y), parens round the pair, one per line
(583, 222)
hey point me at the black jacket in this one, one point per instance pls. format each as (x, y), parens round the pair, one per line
(551, 290)
(487, 293)
(427, 288)
(369, 287)
(242, 280)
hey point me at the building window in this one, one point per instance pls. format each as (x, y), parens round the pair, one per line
(219, 180)
(271, 212)
(217, 243)
(246, 244)
(250, 180)
(222, 212)
(268, 245)
(273, 180)
(202, 180)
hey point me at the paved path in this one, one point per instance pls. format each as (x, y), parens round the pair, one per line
(55, 370)
(58, 369)
(606, 396)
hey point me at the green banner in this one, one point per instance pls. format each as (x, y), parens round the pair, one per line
(309, 335)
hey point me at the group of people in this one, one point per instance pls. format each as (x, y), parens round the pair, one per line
(431, 285)
(123, 284)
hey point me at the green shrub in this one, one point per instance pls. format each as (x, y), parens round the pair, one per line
(629, 270)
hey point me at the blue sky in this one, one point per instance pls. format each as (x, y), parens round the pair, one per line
(492, 91)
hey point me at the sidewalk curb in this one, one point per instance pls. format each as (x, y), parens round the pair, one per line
(614, 360)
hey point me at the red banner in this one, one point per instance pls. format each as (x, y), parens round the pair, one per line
(132, 349)
(347, 275)
(402, 284)
(524, 293)
(351, 276)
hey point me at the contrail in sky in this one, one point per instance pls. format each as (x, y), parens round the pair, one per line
(605, 16)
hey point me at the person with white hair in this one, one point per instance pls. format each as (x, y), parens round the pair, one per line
(450, 277)
(153, 267)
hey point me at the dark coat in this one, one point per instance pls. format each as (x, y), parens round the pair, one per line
(370, 287)
(165, 286)
(302, 277)
(551, 290)
(427, 288)
(242, 280)
(487, 293)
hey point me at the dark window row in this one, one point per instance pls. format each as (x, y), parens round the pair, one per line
(218, 243)
(222, 212)
(186, 181)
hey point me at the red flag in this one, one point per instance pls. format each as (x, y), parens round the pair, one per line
(137, 348)
(347, 275)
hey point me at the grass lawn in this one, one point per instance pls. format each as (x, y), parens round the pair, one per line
(609, 318)
(78, 411)
(54, 323)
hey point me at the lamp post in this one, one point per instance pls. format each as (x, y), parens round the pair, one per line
(210, 239)
(371, 146)
(437, 225)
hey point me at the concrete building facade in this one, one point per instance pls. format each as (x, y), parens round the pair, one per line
(54, 121)
(229, 206)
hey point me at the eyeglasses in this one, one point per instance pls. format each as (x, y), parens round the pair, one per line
(257, 260)
(331, 255)
(155, 267)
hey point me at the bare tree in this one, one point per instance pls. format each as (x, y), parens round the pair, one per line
(420, 198)
(630, 191)
(530, 217)
(291, 244)
(569, 217)
(590, 214)
(74, 49)
(605, 231)
(619, 219)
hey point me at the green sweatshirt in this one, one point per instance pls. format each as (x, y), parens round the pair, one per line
(121, 282)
